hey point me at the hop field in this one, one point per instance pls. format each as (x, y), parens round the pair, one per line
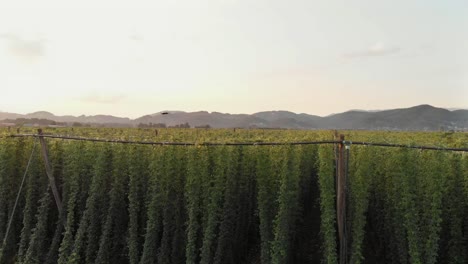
(128, 203)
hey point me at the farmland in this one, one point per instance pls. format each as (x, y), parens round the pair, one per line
(137, 203)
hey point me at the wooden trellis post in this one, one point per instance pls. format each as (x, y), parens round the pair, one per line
(50, 175)
(341, 201)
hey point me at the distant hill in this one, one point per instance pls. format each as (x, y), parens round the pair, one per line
(201, 118)
(5, 115)
(97, 119)
(422, 117)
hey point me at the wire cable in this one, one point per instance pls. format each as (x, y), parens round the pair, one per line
(404, 146)
(180, 143)
(346, 142)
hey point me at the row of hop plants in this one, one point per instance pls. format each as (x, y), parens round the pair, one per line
(162, 204)
(407, 206)
(212, 205)
(404, 206)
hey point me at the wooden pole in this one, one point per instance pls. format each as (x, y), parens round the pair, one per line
(341, 201)
(50, 175)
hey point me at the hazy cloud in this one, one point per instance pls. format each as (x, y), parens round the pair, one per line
(136, 37)
(98, 99)
(379, 49)
(25, 49)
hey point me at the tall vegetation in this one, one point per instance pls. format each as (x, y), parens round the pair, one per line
(198, 204)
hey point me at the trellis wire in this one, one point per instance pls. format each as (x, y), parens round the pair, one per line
(244, 143)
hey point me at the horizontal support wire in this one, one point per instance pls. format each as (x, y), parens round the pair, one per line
(404, 146)
(179, 143)
(348, 143)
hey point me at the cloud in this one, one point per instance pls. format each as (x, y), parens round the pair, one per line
(136, 37)
(98, 99)
(28, 50)
(379, 49)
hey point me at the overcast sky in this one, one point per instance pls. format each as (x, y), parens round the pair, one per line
(130, 58)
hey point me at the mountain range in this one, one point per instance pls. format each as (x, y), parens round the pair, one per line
(422, 117)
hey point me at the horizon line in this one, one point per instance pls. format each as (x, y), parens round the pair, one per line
(451, 109)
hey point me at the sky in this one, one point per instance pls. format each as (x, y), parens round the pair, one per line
(132, 58)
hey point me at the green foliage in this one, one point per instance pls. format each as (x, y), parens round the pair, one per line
(77, 173)
(233, 204)
(71, 191)
(197, 178)
(34, 187)
(215, 206)
(453, 245)
(326, 184)
(230, 215)
(154, 224)
(360, 177)
(112, 241)
(39, 239)
(288, 199)
(138, 183)
(266, 199)
(13, 163)
(173, 215)
(433, 170)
